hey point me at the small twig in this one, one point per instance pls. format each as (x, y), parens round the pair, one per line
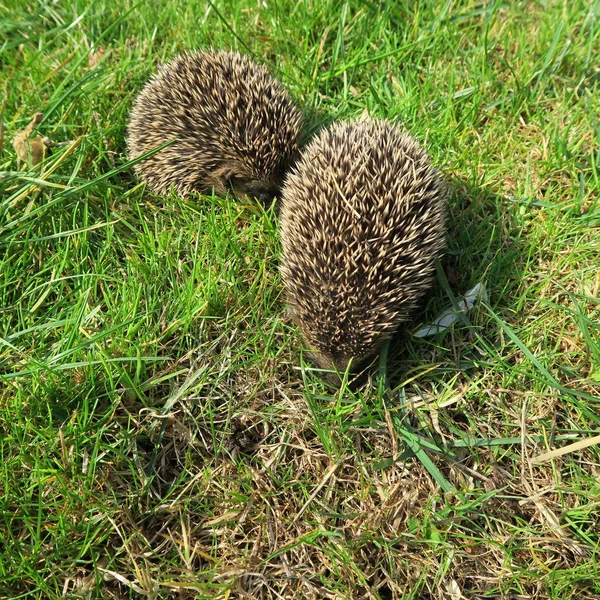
(325, 479)
(580, 445)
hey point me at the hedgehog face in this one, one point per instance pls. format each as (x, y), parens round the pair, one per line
(338, 361)
(241, 182)
(336, 365)
(263, 191)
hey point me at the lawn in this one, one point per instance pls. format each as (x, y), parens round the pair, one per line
(161, 435)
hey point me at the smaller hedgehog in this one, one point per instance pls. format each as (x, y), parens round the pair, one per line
(362, 221)
(235, 127)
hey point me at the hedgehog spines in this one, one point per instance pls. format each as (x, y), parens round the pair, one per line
(235, 127)
(362, 221)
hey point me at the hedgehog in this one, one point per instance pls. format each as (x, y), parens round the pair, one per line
(233, 127)
(362, 221)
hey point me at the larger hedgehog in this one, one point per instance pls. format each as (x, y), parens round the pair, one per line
(362, 221)
(234, 127)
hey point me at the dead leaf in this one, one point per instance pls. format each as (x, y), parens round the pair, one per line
(95, 57)
(454, 590)
(31, 150)
(449, 316)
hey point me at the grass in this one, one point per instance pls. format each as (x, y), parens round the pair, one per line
(160, 435)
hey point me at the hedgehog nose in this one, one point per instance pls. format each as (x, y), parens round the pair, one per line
(265, 197)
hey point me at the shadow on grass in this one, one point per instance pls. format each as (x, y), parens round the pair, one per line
(484, 245)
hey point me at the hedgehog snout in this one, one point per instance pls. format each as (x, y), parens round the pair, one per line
(261, 191)
(334, 368)
(266, 197)
(331, 362)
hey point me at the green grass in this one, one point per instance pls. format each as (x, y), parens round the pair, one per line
(160, 434)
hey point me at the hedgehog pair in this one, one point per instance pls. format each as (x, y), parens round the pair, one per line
(362, 209)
